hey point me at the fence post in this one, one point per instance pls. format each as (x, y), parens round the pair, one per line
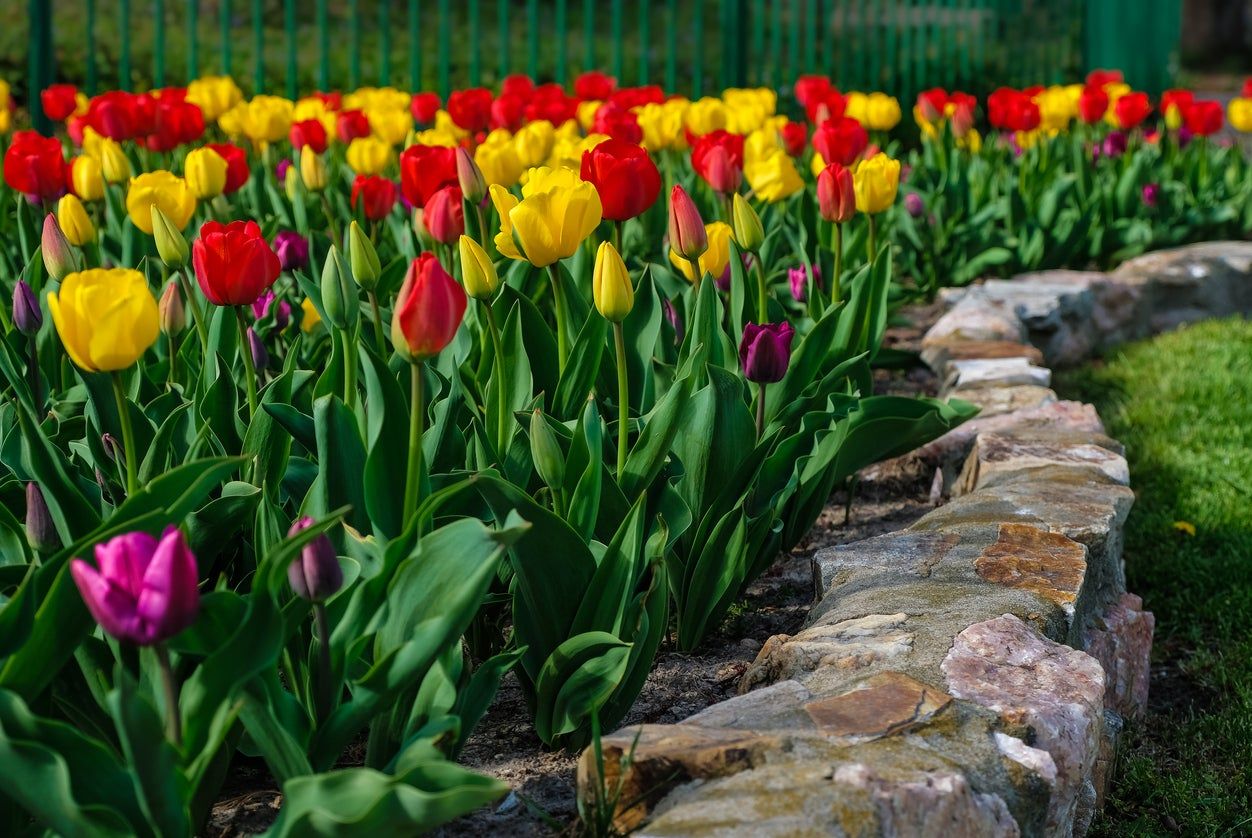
(39, 67)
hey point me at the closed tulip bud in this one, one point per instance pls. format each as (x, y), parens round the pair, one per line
(74, 221)
(41, 533)
(470, 177)
(914, 205)
(610, 285)
(428, 310)
(478, 272)
(173, 315)
(749, 234)
(339, 295)
(444, 215)
(27, 316)
(87, 178)
(765, 351)
(546, 452)
(836, 196)
(686, 229)
(876, 182)
(291, 183)
(58, 257)
(363, 258)
(314, 575)
(260, 355)
(312, 170)
(170, 243)
(205, 173)
(113, 161)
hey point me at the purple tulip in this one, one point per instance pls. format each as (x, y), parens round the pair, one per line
(1114, 144)
(260, 355)
(675, 320)
(280, 170)
(145, 590)
(27, 316)
(799, 278)
(1151, 194)
(765, 351)
(315, 575)
(913, 204)
(1185, 136)
(292, 249)
(265, 303)
(41, 533)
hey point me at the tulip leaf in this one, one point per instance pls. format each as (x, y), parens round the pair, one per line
(643, 330)
(580, 373)
(575, 681)
(386, 441)
(648, 455)
(340, 463)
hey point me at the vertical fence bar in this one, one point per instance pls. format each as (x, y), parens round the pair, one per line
(891, 20)
(258, 46)
(671, 45)
(843, 39)
(475, 46)
(91, 47)
(793, 38)
(193, 37)
(384, 34)
(39, 62)
(775, 46)
(323, 47)
(289, 28)
(589, 35)
(354, 44)
(415, 48)
(756, 54)
(810, 35)
(502, 27)
(615, 21)
(224, 24)
(645, 39)
(123, 58)
(158, 43)
(445, 86)
(532, 37)
(697, 52)
(562, 37)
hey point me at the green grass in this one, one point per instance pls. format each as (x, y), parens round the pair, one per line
(1182, 405)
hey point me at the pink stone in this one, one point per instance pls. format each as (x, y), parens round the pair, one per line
(1121, 640)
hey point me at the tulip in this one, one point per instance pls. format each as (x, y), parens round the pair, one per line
(424, 106)
(717, 157)
(1239, 112)
(470, 109)
(714, 261)
(444, 215)
(113, 161)
(764, 353)
(256, 348)
(1131, 109)
(1151, 194)
(339, 298)
(27, 316)
(836, 194)
(498, 160)
(368, 155)
(312, 170)
(840, 140)
(107, 318)
(749, 234)
(41, 531)
(534, 142)
(74, 221)
(547, 455)
(172, 315)
(1203, 118)
(34, 165)
(363, 258)
(876, 182)
(205, 173)
(170, 243)
(614, 298)
(59, 258)
(1093, 103)
(424, 170)
(625, 178)
(215, 95)
(310, 132)
(913, 205)
(87, 178)
(267, 303)
(799, 280)
(292, 250)
(351, 125)
(470, 177)
(233, 262)
(687, 236)
(375, 196)
(164, 190)
(773, 176)
(478, 272)
(315, 574)
(59, 101)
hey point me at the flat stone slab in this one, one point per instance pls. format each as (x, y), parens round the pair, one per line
(994, 401)
(976, 317)
(979, 373)
(997, 457)
(938, 356)
(1121, 640)
(955, 445)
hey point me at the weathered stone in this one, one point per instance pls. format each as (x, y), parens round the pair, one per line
(848, 645)
(1055, 307)
(1106, 759)
(1005, 666)
(975, 317)
(1167, 288)
(954, 446)
(881, 705)
(939, 356)
(1046, 563)
(780, 706)
(996, 400)
(997, 457)
(994, 372)
(1121, 640)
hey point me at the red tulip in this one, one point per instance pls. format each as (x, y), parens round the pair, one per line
(1131, 109)
(175, 123)
(424, 107)
(428, 310)
(233, 262)
(332, 100)
(832, 105)
(1180, 99)
(718, 158)
(594, 86)
(508, 112)
(637, 97)
(811, 89)
(617, 122)
(550, 102)
(518, 84)
(836, 198)
(1203, 118)
(687, 234)
(375, 195)
(1103, 78)
(115, 115)
(310, 132)
(794, 136)
(59, 101)
(34, 166)
(1093, 103)
(444, 215)
(931, 103)
(625, 177)
(237, 171)
(840, 140)
(424, 170)
(470, 109)
(351, 125)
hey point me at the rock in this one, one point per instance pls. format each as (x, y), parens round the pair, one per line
(881, 705)
(846, 645)
(1058, 691)
(996, 400)
(1166, 288)
(1045, 563)
(1055, 307)
(1121, 640)
(995, 372)
(997, 457)
(938, 356)
(975, 317)
(954, 446)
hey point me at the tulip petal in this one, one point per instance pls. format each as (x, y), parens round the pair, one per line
(111, 607)
(170, 598)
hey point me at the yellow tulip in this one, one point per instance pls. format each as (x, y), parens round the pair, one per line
(773, 177)
(478, 273)
(309, 319)
(557, 211)
(215, 95)
(498, 160)
(1240, 112)
(312, 170)
(705, 116)
(662, 125)
(368, 155)
(311, 107)
(74, 221)
(856, 106)
(882, 112)
(534, 142)
(167, 191)
(713, 261)
(87, 177)
(876, 181)
(107, 318)
(6, 121)
(568, 152)
(266, 119)
(205, 173)
(587, 113)
(445, 123)
(436, 136)
(376, 98)
(113, 161)
(391, 125)
(610, 285)
(1056, 109)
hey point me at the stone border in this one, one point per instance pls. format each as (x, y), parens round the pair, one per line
(968, 675)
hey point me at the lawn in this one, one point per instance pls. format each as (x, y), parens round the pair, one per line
(1182, 405)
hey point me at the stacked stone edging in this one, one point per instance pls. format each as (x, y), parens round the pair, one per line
(970, 674)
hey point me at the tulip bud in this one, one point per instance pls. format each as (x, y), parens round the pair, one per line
(444, 215)
(686, 229)
(428, 310)
(260, 355)
(314, 575)
(58, 257)
(913, 205)
(41, 533)
(546, 452)
(473, 184)
(312, 170)
(610, 285)
(765, 351)
(478, 273)
(170, 243)
(363, 258)
(836, 195)
(173, 316)
(292, 249)
(113, 161)
(205, 173)
(339, 296)
(27, 316)
(291, 181)
(749, 234)
(87, 178)
(1151, 194)
(74, 221)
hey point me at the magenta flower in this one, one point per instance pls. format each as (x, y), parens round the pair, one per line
(292, 249)
(1151, 194)
(765, 351)
(314, 575)
(265, 303)
(144, 590)
(799, 279)
(913, 204)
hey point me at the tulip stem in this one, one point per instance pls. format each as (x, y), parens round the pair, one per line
(836, 290)
(197, 314)
(412, 491)
(760, 409)
(324, 694)
(617, 237)
(623, 398)
(128, 434)
(330, 220)
(696, 273)
(249, 371)
(873, 237)
(378, 326)
(558, 295)
(762, 292)
(349, 367)
(502, 417)
(173, 718)
(36, 379)
(173, 348)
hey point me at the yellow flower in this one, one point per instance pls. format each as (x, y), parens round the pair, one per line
(1115, 91)
(611, 289)
(205, 172)
(713, 261)
(167, 191)
(662, 124)
(568, 152)
(436, 136)
(215, 95)
(113, 161)
(1185, 527)
(311, 107)
(445, 123)
(972, 141)
(371, 98)
(856, 106)
(705, 116)
(774, 176)
(309, 319)
(87, 176)
(557, 211)
(1056, 109)
(882, 112)
(533, 142)
(1240, 112)
(74, 221)
(107, 318)
(312, 169)
(6, 121)
(478, 273)
(497, 159)
(390, 124)
(748, 109)
(368, 155)
(266, 119)
(587, 113)
(875, 181)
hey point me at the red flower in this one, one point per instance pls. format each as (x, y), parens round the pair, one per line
(625, 177)
(508, 112)
(1203, 117)
(1093, 102)
(175, 123)
(836, 197)
(424, 170)
(424, 107)
(1131, 109)
(237, 171)
(931, 103)
(794, 136)
(718, 158)
(143, 108)
(617, 122)
(550, 102)
(113, 114)
(840, 140)
(428, 311)
(34, 165)
(812, 89)
(594, 86)
(333, 101)
(1103, 78)
(444, 215)
(1246, 92)
(233, 262)
(310, 132)
(350, 125)
(1180, 99)
(1012, 110)
(830, 106)
(59, 101)
(375, 195)
(470, 109)
(637, 97)
(518, 84)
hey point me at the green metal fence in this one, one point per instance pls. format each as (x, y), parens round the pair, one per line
(695, 46)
